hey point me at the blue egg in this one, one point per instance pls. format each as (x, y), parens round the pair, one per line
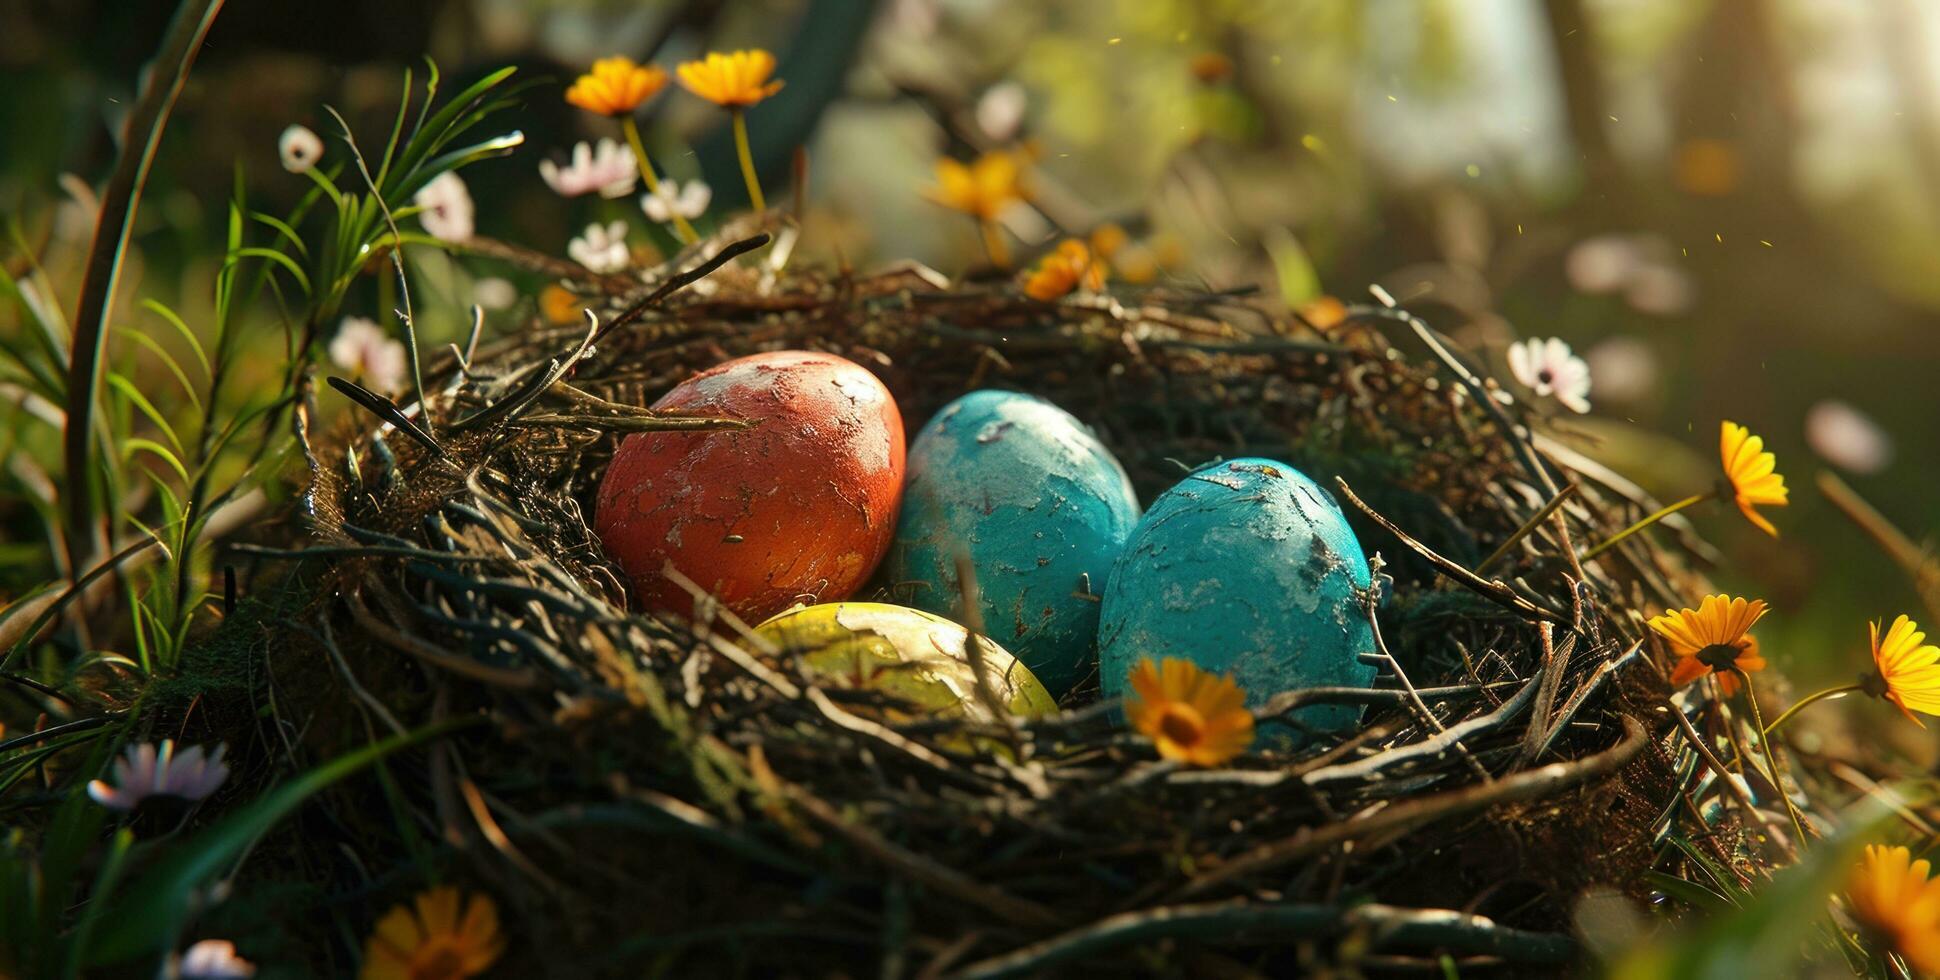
(1041, 508)
(1247, 568)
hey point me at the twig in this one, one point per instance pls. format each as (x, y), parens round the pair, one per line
(1388, 926)
(728, 253)
(1409, 814)
(1492, 589)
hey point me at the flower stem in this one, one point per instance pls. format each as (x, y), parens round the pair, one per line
(1774, 768)
(1787, 714)
(747, 159)
(993, 243)
(1696, 498)
(687, 232)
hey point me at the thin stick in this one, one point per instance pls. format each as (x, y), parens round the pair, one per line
(1527, 527)
(1407, 815)
(1654, 517)
(1487, 588)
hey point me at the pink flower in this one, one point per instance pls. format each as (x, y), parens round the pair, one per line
(147, 770)
(602, 248)
(445, 208)
(608, 169)
(213, 959)
(672, 198)
(362, 348)
(1548, 368)
(1847, 438)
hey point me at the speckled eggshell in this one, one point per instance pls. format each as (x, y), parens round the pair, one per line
(1246, 567)
(1039, 505)
(799, 508)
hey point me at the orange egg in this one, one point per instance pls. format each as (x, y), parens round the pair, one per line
(799, 508)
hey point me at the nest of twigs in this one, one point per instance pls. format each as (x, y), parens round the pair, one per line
(648, 793)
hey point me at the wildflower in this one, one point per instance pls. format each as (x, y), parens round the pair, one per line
(213, 959)
(299, 148)
(1066, 268)
(1000, 111)
(1190, 715)
(558, 305)
(602, 248)
(674, 199)
(1713, 638)
(616, 86)
(1108, 240)
(149, 769)
(494, 293)
(607, 168)
(735, 82)
(1750, 478)
(362, 348)
(1847, 438)
(1548, 368)
(1624, 368)
(981, 189)
(1324, 313)
(1906, 669)
(446, 937)
(1604, 263)
(445, 208)
(1752, 474)
(1895, 900)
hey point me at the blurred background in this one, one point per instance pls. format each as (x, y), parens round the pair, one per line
(1730, 209)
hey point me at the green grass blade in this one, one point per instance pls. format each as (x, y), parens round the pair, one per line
(119, 203)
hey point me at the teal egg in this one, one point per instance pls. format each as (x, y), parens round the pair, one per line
(1041, 508)
(1248, 568)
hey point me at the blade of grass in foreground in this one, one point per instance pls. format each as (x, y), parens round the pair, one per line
(118, 205)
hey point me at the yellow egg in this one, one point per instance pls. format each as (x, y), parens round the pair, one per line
(910, 655)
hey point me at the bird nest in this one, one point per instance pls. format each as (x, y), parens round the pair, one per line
(640, 791)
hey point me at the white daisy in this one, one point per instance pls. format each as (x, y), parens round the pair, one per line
(493, 293)
(149, 769)
(213, 959)
(1548, 368)
(672, 198)
(447, 208)
(362, 348)
(602, 248)
(1847, 438)
(609, 169)
(300, 149)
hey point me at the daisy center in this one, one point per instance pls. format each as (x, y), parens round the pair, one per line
(1182, 724)
(1720, 656)
(1546, 376)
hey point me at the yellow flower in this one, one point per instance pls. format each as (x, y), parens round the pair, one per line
(1752, 472)
(981, 189)
(1713, 638)
(1898, 904)
(435, 941)
(1109, 239)
(1063, 270)
(616, 86)
(739, 79)
(560, 306)
(1908, 669)
(1190, 715)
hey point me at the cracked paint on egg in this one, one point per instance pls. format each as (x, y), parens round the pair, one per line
(1039, 505)
(918, 658)
(799, 508)
(1248, 568)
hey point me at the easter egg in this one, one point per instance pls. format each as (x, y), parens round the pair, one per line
(917, 658)
(1246, 568)
(798, 507)
(1041, 509)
